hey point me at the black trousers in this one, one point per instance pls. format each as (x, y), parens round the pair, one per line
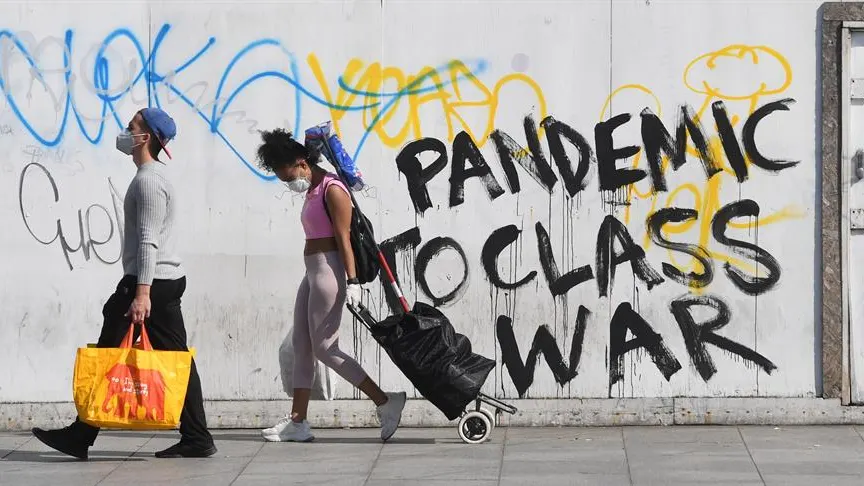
(167, 332)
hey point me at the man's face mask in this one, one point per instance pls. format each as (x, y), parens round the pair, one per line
(126, 141)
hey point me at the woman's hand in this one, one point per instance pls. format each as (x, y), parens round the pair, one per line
(353, 295)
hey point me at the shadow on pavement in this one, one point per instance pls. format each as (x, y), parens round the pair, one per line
(50, 457)
(155, 435)
(371, 440)
(324, 440)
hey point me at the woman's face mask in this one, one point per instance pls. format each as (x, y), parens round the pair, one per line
(300, 184)
(299, 179)
(126, 141)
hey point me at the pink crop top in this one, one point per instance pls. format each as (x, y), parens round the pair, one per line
(313, 216)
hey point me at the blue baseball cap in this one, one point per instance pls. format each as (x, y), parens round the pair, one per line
(161, 124)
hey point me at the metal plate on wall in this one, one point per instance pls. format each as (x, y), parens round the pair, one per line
(856, 219)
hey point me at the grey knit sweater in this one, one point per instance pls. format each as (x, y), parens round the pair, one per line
(149, 240)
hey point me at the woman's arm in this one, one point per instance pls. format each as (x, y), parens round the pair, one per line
(339, 204)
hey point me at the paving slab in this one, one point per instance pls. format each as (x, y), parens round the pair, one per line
(34, 463)
(690, 455)
(443, 460)
(563, 455)
(547, 456)
(12, 441)
(806, 454)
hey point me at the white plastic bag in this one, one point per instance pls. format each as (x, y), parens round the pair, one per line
(323, 378)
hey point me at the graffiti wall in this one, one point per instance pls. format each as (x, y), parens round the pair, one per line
(608, 198)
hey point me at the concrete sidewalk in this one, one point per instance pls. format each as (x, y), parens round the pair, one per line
(806, 455)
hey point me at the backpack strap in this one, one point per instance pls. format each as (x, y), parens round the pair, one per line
(324, 199)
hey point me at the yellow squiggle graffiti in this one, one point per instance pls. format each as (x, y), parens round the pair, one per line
(370, 78)
(707, 200)
(739, 52)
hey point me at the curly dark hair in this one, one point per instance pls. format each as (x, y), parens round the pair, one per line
(280, 149)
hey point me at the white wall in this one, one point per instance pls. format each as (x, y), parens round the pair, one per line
(241, 238)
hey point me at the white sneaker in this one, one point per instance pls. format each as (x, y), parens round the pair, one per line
(288, 431)
(276, 429)
(390, 414)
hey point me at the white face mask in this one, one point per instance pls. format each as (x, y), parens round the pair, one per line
(300, 184)
(126, 141)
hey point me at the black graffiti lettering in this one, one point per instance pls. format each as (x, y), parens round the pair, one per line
(424, 257)
(532, 160)
(495, 244)
(404, 242)
(696, 336)
(555, 130)
(690, 124)
(624, 319)
(611, 177)
(558, 285)
(21, 201)
(749, 137)
(607, 259)
(750, 285)
(729, 141)
(117, 201)
(95, 244)
(417, 176)
(544, 343)
(86, 242)
(655, 224)
(64, 243)
(465, 150)
(657, 140)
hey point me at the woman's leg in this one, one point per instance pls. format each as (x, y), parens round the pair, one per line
(295, 428)
(304, 357)
(371, 390)
(326, 300)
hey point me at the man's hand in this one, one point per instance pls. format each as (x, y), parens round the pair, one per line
(140, 308)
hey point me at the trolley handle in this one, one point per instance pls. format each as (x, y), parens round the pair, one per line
(362, 313)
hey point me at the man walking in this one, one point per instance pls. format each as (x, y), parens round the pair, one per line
(153, 283)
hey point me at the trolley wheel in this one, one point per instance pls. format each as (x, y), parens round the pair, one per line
(491, 416)
(475, 427)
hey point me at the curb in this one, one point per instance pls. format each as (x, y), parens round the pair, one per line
(594, 412)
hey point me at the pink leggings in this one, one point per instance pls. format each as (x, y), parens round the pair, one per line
(317, 315)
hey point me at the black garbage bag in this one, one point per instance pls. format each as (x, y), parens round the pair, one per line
(437, 359)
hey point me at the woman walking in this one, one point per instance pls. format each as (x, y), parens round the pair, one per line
(329, 283)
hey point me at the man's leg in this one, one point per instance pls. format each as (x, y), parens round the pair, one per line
(167, 332)
(76, 438)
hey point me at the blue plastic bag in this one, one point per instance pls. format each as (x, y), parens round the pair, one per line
(323, 133)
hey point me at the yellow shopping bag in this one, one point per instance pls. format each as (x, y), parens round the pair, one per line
(131, 387)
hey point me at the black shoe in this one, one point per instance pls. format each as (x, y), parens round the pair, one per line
(181, 449)
(62, 440)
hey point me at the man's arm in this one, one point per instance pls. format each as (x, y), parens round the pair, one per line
(152, 206)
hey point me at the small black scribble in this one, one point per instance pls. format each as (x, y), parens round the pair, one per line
(371, 192)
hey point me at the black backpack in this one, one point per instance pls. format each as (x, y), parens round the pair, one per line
(362, 244)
